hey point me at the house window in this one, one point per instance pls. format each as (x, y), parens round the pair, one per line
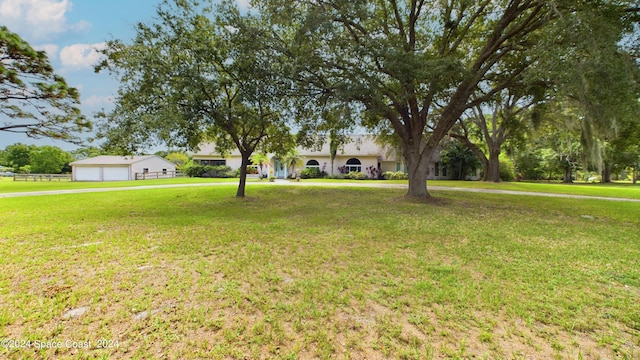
(353, 165)
(398, 166)
(444, 170)
(437, 169)
(164, 171)
(313, 164)
(213, 162)
(145, 170)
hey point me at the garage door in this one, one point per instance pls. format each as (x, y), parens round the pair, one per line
(87, 173)
(115, 173)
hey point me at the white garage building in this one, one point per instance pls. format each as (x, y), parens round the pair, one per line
(121, 168)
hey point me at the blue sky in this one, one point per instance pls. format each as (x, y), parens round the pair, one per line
(70, 31)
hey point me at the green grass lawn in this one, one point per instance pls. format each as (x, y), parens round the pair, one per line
(621, 190)
(617, 189)
(7, 185)
(319, 272)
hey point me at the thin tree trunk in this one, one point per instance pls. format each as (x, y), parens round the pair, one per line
(243, 174)
(567, 177)
(606, 173)
(634, 176)
(333, 149)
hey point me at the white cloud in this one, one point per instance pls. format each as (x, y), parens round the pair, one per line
(50, 49)
(38, 19)
(98, 102)
(81, 55)
(231, 29)
(243, 4)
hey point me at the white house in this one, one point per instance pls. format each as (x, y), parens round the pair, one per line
(362, 153)
(121, 168)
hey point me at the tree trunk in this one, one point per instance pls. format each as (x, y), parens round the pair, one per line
(567, 177)
(492, 173)
(243, 174)
(417, 166)
(606, 173)
(333, 150)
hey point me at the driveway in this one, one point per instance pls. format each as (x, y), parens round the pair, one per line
(311, 183)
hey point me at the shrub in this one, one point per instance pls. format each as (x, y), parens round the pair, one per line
(192, 169)
(355, 175)
(310, 173)
(196, 170)
(530, 165)
(221, 171)
(398, 175)
(507, 173)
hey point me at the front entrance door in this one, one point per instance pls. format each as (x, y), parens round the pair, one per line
(280, 170)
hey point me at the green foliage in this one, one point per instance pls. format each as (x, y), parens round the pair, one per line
(192, 169)
(310, 173)
(507, 171)
(198, 73)
(178, 158)
(26, 169)
(530, 165)
(86, 152)
(590, 59)
(355, 175)
(221, 171)
(292, 160)
(395, 175)
(261, 160)
(413, 68)
(37, 101)
(37, 159)
(459, 158)
(50, 160)
(18, 155)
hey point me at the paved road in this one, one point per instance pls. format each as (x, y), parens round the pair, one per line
(311, 183)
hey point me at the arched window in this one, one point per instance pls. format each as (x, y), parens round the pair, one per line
(354, 165)
(313, 164)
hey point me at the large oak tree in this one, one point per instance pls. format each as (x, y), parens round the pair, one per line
(415, 66)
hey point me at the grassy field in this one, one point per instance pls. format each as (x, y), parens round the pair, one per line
(7, 185)
(318, 272)
(621, 190)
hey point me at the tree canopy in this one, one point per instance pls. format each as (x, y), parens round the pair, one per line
(36, 159)
(50, 160)
(33, 99)
(198, 74)
(416, 66)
